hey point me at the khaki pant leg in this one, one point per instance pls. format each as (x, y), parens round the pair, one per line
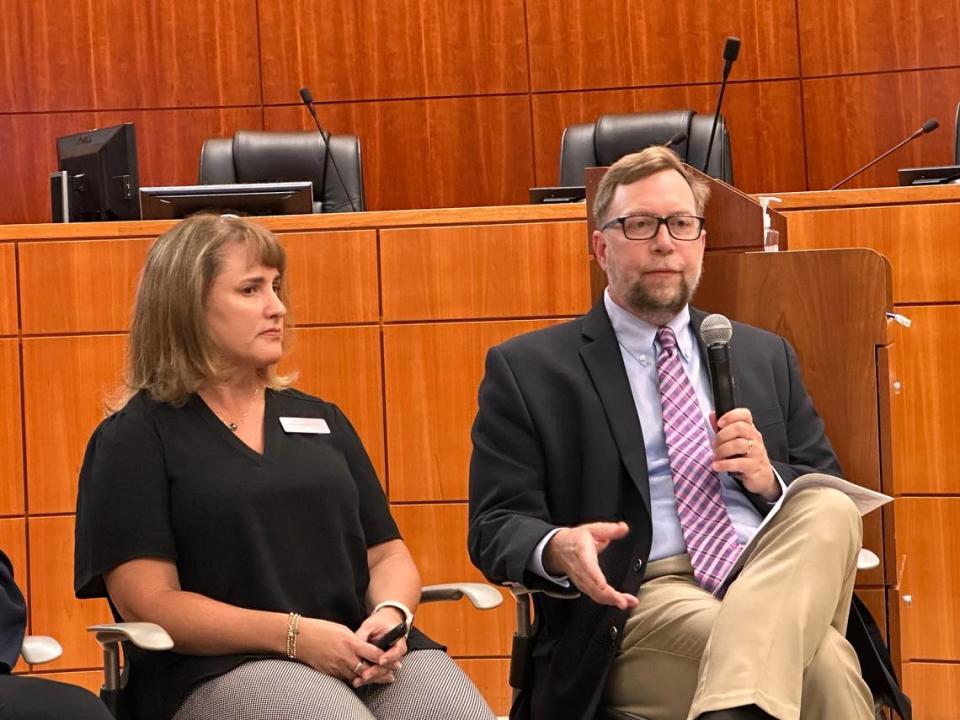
(655, 672)
(832, 686)
(796, 584)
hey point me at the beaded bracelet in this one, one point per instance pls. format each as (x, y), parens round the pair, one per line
(293, 629)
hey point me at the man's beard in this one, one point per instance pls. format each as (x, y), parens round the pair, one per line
(658, 308)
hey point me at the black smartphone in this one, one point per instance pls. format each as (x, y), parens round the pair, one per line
(389, 638)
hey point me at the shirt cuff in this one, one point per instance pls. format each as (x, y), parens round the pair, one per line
(535, 563)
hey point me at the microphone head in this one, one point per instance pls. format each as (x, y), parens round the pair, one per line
(716, 330)
(675, 139)
(306, 96)
(930, 125)
(731, 49)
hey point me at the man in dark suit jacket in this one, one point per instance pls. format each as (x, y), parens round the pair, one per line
(573, 481)
(28, 698)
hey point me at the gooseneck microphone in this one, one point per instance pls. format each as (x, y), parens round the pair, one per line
(929, 126)
(716, 331)
(307, 97)
(731, 50)
(675, 139)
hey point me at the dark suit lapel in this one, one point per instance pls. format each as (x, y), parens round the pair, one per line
(604, 363)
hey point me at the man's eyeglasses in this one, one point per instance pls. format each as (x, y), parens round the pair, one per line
(645, 227)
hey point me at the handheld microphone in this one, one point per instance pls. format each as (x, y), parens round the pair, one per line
(929, 126)
(307, 98)
(716, 331)
(731, 50)
(675, 139)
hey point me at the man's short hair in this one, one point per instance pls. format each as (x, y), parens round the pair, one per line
(637, 166)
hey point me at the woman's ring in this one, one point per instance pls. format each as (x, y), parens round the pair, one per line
(358, 668)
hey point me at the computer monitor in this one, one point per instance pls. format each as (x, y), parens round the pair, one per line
(273, 198)
(557, 195)
(101, 175)
(939, 175)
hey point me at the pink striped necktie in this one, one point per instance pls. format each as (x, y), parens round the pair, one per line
(710, 536)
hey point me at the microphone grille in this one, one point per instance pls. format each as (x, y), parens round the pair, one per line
(731, 49)
(715, 329)
(930, 125)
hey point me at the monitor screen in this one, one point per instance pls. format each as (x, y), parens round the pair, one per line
(102, 178)
(559, 194)
(940, 175)
(274, 198)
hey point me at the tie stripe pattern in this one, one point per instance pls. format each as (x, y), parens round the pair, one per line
(707, 530)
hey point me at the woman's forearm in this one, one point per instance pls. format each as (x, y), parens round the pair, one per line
(393, 576)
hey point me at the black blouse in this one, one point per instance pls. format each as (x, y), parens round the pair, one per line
(284, 531)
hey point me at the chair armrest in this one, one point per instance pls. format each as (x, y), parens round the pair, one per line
(146, 636)
(519, 590)
(40, 649)
(483, 596)
(867, 560)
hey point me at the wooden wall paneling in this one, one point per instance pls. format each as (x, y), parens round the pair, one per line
(69, 287)
(11, 430)
(91, 680)
(342, 365)
(850, 120)
(371, 50)
(615, 43)
(925, 446)
(65, 383)
(332, 276)
(492, 678)
(919, 241)
(432, 373)
(52, 604)
(429, 153)
(8, 289)
(494, 271)
(169, 141)
(80, 55)
(764, 119)
(437, 537)
(13, 542)
(928, 538)
(841, 38)
(29, 156)
(934, 688)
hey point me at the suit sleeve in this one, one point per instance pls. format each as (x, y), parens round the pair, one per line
(508, 506)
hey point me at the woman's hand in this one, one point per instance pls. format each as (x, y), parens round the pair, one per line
(335, 650)
(375, 626)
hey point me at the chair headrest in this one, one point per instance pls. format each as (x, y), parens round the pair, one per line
(279, 157)
(619, 135)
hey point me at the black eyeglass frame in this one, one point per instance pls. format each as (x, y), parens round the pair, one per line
(661, 220)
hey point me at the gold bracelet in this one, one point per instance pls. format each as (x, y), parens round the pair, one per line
(293, 629)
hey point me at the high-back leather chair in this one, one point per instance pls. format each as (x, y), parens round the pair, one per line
(956, 142)
(257, 156)
(613, 136)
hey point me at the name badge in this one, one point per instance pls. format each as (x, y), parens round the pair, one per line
(307, 426)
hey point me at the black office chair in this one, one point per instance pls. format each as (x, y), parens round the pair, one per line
(255, 156)
(613, 136)
(956, 142)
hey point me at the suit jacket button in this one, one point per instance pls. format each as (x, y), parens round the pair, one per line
(637, 565)
(613, 633)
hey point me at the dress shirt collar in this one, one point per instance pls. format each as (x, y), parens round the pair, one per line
(638, 337)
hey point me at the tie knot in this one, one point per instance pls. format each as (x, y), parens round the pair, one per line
(667, 340)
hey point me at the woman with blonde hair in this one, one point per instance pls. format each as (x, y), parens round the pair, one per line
(244, 516)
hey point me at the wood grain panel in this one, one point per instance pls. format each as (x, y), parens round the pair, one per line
(53, 606)
(437, 538)
(484, 271)
(89, 286)
(342, 365)
(492, 678)
(89, 679)
(848, 121)
(925, 446)
(432, 374)
(86, 54)
(369, 49)
(432, 153)
(764, 119)
(333, 276)
(11, 430)
(13, 542)
(65, 383)
(615, 43)
(8, 289)
(934, 689)
(870, 36)
(928, 540)
(919, 241)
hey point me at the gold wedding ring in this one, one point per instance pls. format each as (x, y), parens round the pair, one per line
(749, 446)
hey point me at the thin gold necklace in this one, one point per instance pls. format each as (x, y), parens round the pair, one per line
(243, 416)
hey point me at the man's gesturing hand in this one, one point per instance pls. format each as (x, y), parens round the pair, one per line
(574, 551)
